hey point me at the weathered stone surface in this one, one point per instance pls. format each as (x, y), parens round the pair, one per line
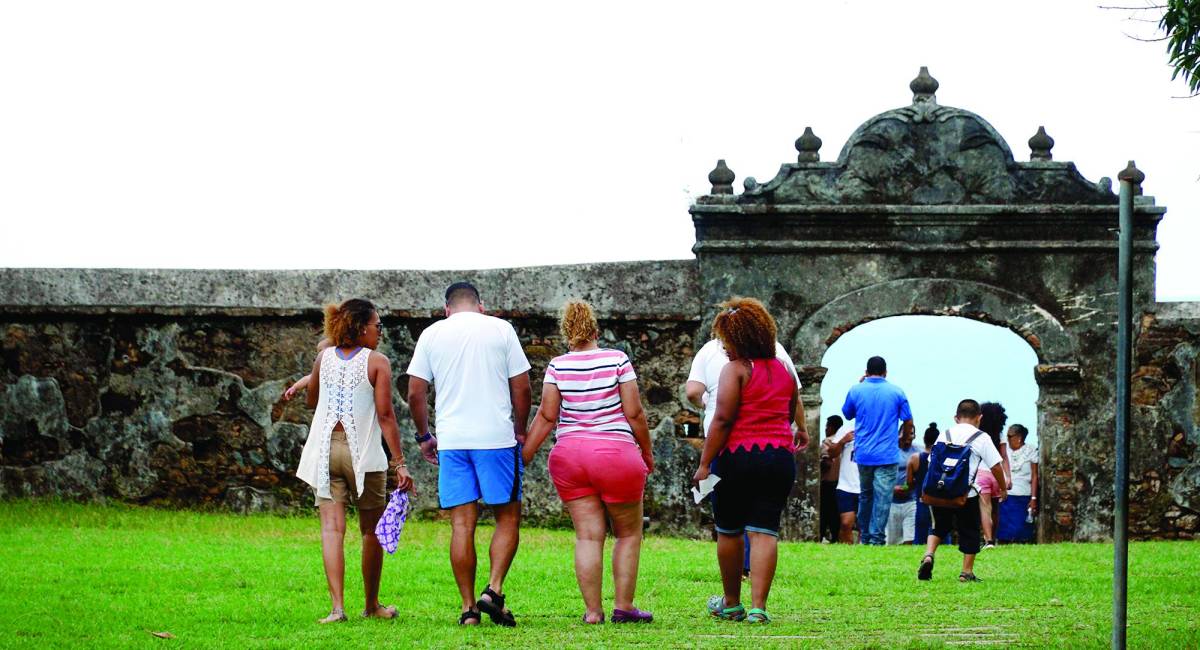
(188, 410)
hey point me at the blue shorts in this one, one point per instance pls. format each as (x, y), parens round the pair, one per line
(846, 501)
(467, 475)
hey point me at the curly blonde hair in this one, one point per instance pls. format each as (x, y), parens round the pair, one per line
(577, 323)
(746, 329)
(344, 323)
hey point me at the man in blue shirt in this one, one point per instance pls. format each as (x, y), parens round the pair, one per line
(876, 406)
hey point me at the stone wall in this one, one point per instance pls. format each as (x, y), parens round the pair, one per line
(1164, 468)
(164, 387)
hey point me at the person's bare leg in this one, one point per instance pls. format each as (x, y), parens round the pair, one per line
(846, 531)
(587, 513)
(333, 533)
(730, 555)
(969, 563)
(764, 557)
(985, 517)
(462, 551)
(372, 564)
(627, 551)
(504, 543)
(931, 544)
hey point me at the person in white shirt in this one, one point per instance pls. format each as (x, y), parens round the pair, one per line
(481, 376)
(703, 378)
(964, 521)
(840, 447)
(1022, 505)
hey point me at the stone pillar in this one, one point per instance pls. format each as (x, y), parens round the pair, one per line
(1058, 486)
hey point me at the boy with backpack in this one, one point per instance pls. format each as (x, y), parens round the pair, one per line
(949, 488)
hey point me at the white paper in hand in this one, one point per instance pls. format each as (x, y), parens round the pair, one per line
(706, 486)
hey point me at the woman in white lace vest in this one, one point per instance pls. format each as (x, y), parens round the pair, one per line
(343, 459)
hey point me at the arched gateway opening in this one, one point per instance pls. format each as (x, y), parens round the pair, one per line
(1026, 334)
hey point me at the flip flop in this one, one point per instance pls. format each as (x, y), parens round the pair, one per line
(757, 615)
(390, 610)
(335, 616)
(634, 615)
(718, 610)
(494, 608)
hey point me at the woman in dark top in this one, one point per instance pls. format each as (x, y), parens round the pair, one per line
(751, 447)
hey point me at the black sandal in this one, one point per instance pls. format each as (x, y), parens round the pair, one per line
(494, 608)
(469, 615)
(925, 572)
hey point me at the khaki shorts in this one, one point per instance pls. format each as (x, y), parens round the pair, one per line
(342, 486)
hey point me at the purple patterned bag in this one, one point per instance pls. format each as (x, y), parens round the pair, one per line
(392, 521)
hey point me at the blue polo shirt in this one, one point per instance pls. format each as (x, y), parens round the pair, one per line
(877, 408)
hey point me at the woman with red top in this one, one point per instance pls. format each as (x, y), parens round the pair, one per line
(750, 447)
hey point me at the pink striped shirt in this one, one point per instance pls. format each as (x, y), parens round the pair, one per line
(591, 398)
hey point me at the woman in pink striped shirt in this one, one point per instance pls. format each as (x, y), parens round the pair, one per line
(600, 458)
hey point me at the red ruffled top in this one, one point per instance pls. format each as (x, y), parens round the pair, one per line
(764, 417)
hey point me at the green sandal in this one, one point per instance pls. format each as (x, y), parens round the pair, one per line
(717, 609)
(757, 615)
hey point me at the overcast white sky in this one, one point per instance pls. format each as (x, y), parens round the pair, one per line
(476, 135)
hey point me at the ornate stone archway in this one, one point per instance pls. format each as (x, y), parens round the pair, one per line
(926, 210)
(1056, 373)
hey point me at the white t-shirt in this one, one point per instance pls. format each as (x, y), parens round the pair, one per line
(1020, 461)
(848, 472)
(469, 358)
(706, 369)
(981, 449)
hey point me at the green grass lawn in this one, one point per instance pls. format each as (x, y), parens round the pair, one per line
(110, 576)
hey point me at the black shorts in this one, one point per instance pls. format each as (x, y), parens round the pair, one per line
(753, 489)
(963, 521)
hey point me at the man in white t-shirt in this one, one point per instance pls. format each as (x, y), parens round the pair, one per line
(481, 376)
(703, 378)
(840, 447)
(964, 521)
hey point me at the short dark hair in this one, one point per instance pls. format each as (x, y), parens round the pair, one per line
(876, 366)
(460, 291)
(1021, 431)
(931, 434)
(967, 408)
(834, 421)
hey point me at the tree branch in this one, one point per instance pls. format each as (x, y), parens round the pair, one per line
(1145, 40)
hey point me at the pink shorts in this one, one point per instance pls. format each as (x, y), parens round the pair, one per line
(612, 469)
(986, 482)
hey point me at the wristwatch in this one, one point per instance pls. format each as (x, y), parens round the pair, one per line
(422, 438)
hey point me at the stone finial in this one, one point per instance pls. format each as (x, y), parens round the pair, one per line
(1134, 175)
(923, 87)
(721, 178)
(808, 145)
(751, 183)
(1040, 145)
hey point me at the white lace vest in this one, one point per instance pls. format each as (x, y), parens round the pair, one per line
(346, 396)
